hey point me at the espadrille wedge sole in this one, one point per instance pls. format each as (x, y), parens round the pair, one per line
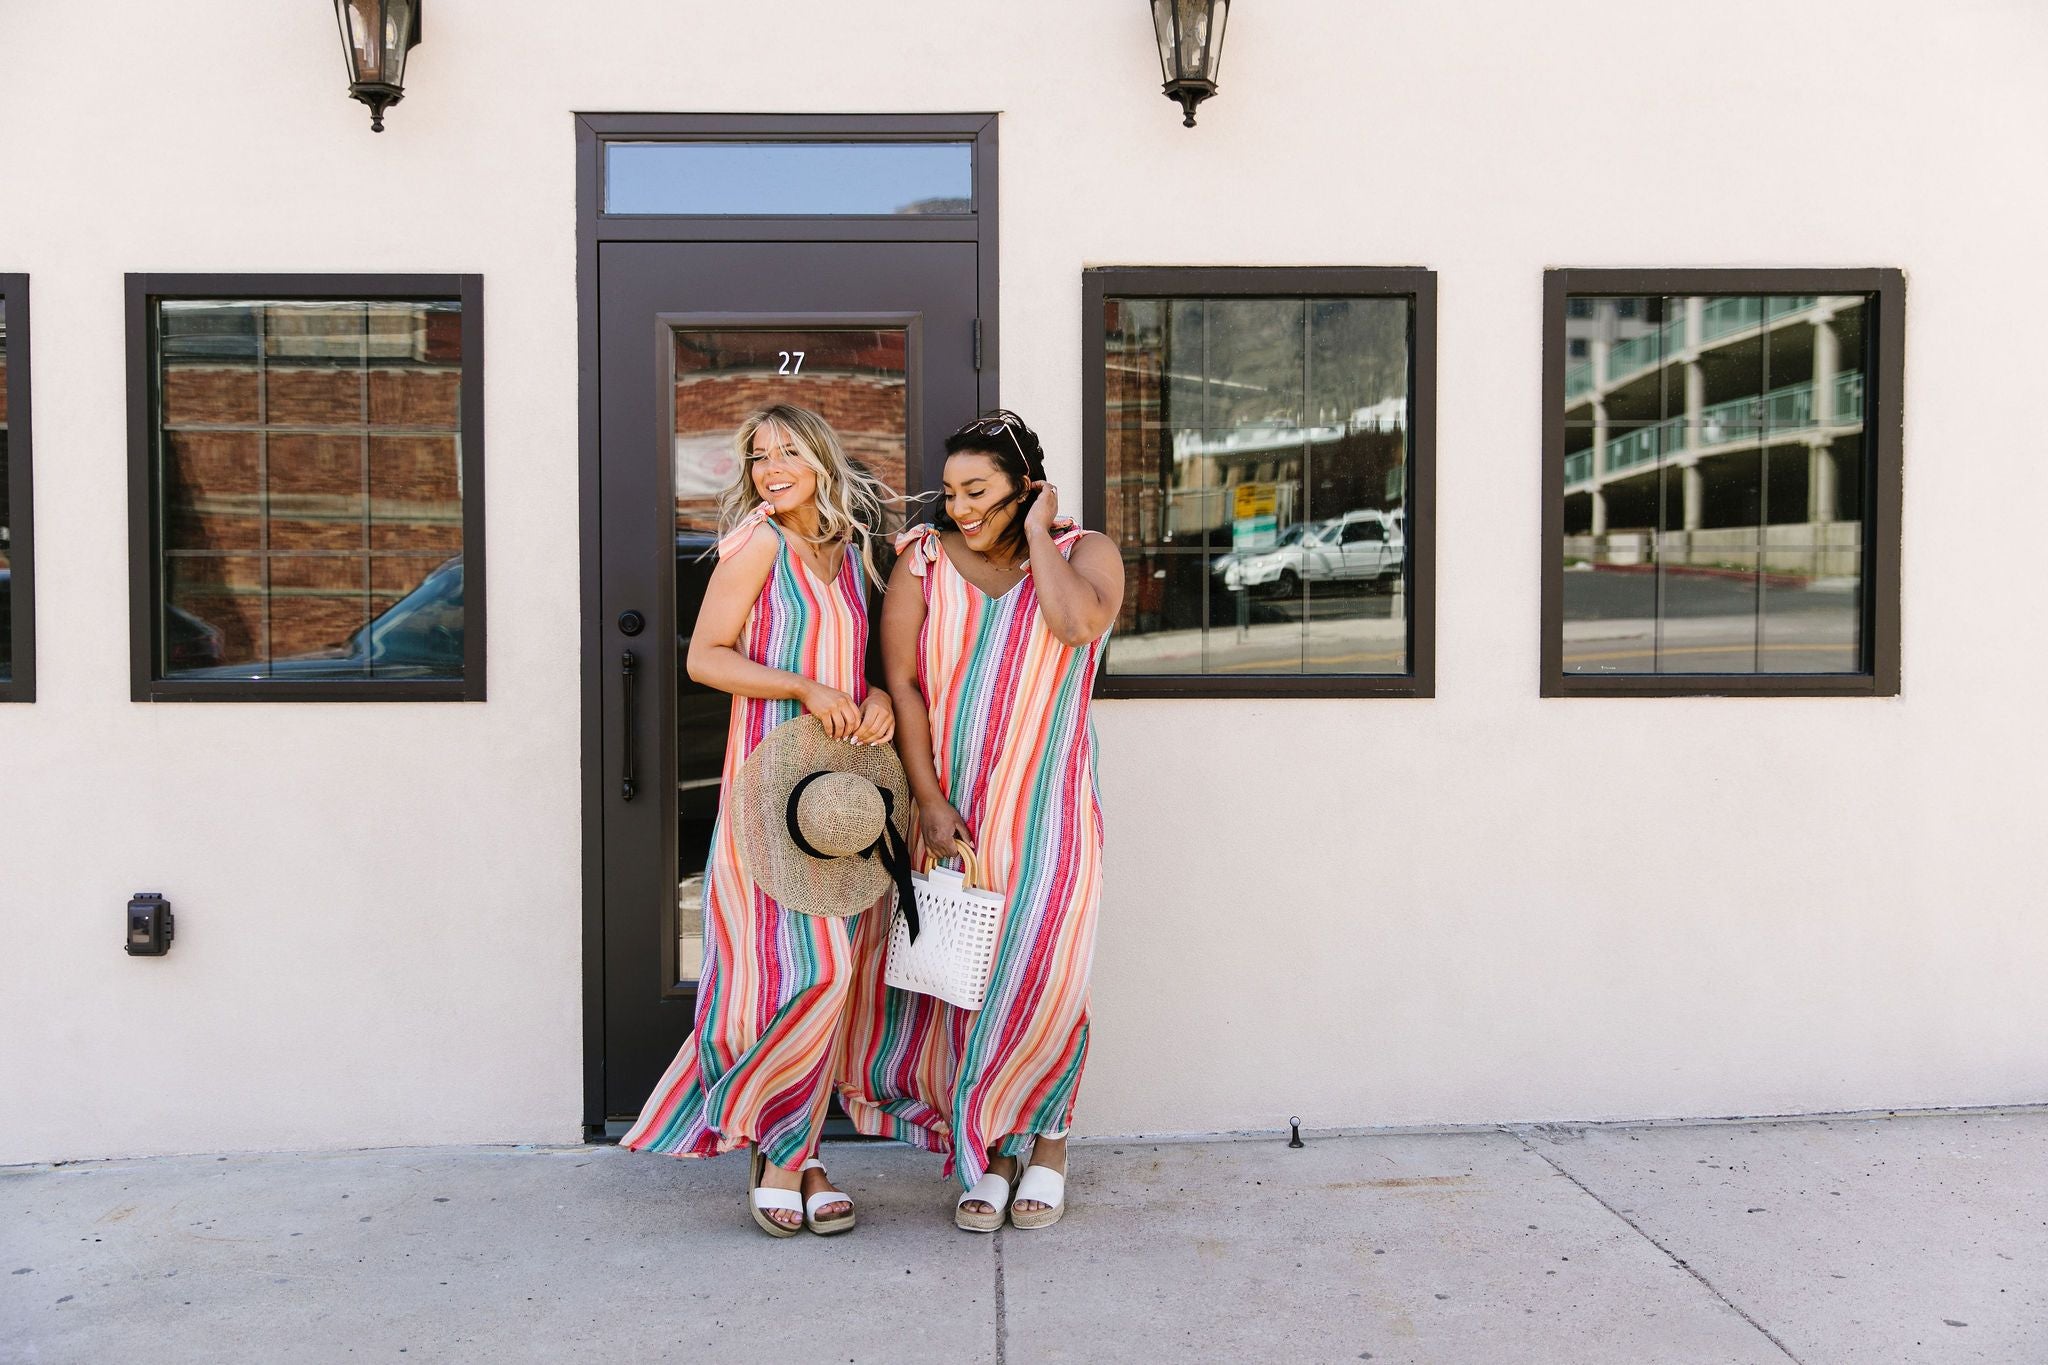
(825, 1227)
(991, 1190)
(760, 1199)
(1040, 1185)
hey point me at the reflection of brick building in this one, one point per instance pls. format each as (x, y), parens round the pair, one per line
(310, 465)
(1133, 477)
(854, 379)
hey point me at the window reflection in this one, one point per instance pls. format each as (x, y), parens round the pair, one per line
(857, 379)
(1256, 463)
(1714, 484)
(309, 489)
(6, 522)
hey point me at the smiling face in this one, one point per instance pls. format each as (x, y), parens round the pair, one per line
(782, 475)
(980, 499)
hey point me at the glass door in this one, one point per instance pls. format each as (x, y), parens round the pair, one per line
(857, 379)
(878, 338)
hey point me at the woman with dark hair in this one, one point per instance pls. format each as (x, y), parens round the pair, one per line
(991, 633)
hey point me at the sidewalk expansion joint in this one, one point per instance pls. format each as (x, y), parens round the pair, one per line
(1002, 1325)
(1637, 1229)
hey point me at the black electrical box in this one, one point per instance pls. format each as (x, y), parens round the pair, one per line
(149, 925)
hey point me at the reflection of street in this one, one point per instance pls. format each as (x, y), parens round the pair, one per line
(1329, 629)
(1710, 624)
(1325, 602)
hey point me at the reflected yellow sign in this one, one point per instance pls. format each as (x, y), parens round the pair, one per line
(1255, 500)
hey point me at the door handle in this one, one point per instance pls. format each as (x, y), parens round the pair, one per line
(629, 665)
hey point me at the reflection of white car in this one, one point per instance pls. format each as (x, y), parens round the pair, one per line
(1280, 566)
(1365, 546)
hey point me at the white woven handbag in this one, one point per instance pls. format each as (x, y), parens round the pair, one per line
(958, 923)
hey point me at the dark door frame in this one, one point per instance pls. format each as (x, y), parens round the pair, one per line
(593, 228)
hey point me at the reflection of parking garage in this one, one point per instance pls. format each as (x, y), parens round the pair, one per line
(1716, 433)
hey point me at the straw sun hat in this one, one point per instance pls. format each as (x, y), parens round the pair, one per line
(821, 823)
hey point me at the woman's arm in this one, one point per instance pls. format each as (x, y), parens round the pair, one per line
(1078, 597)
(902, 627)
(715, 660)
(877, 711)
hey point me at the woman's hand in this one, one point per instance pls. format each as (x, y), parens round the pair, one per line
(942, 828)
(833, 708)
(877, 719)
(1046, 509)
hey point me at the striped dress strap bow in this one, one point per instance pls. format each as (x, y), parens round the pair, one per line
(743, 529)
(921, 544)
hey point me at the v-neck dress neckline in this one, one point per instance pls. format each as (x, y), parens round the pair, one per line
(789, 548)
(992, 598)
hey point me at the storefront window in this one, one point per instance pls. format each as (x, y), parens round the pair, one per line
(17, 646)
(308, 467)
(1259, 457)
(6, 522)
(1717, 485)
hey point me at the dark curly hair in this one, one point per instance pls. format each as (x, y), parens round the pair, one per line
(1015, 450)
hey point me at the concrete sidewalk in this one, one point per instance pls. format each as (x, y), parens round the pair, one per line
(1916, 1238)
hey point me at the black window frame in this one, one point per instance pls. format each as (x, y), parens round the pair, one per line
(1418, 285)
(21, 686)
(145, 561)
(1883, 428)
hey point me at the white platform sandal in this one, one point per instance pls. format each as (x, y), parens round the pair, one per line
(1041, 1185)
(761, 1198)
(991, 1190)
(825, 1227)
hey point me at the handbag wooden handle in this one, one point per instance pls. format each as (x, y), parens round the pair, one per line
(970, 863)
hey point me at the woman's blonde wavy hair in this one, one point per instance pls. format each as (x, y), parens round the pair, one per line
(853, 505)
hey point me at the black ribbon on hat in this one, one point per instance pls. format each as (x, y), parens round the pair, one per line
(895, 856)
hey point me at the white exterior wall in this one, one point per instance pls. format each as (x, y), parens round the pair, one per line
(1566, 908)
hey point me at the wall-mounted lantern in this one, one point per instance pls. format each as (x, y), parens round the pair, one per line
(376, 35)
(1190, 49)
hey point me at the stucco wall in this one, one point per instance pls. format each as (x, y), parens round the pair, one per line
(1481, 907)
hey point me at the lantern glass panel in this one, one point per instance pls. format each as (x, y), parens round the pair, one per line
(397, 38)
(363, 32)
(378, 34)
(1192, 60)
(1163, 23)
(1219, 12)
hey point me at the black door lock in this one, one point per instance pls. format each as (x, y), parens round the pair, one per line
(631, 623)
(150, 925)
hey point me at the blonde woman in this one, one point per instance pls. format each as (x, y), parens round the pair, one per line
(784, 628)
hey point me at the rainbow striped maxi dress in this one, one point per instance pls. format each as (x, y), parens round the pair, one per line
(1015, 753)
(774, 985)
